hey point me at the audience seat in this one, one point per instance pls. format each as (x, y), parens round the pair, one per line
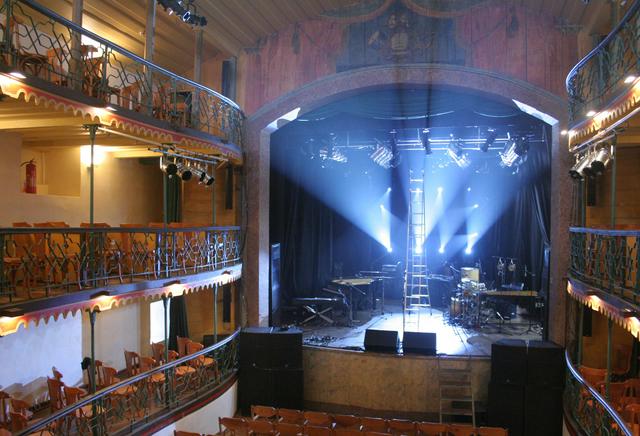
(318, 419)
(264, 412)
(287, 429)
(261, 427)
(377, 425)
(233, 426)
(291, 416)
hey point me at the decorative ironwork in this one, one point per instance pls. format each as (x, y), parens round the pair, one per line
(593, 81)
(125, 406)
(608, 260)
(42, 262)
(40, 43)
(589, 410)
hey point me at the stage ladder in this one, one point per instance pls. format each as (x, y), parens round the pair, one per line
(416, 288)
(456, 389)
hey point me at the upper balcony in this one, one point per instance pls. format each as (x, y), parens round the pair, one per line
(603, 88)
(51, 62)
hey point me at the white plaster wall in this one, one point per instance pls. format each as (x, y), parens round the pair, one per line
(116, 330)
(29, 354)
(205, 420)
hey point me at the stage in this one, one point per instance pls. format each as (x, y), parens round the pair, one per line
(452, 339)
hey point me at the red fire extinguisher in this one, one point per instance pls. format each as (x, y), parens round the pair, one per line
(31, 177)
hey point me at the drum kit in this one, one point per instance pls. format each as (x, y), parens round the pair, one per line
(464, 305)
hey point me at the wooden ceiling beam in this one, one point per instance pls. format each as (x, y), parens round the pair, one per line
(225, 16)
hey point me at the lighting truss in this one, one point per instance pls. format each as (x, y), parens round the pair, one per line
(176, 161)
(185, 10)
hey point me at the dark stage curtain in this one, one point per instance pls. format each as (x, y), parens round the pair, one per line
(174, 189)
(178, 325)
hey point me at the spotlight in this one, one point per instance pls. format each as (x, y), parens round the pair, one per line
(591, 113)
(424, 138)
(17, 75)
(203, 177)
(440, 189)
(388, 189)
(382, 156)
(582, 168)
(381, 207)
(475, 206)
(600, 161)
(389, 249)
(629, 79)
(457, 154)
(184, 172)
(441, 249)
(513, 150)
(564, 132)
(467, 250)
(488, 142)
(168, 167)
(469, 189)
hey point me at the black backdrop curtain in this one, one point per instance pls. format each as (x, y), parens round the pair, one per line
(178, 325)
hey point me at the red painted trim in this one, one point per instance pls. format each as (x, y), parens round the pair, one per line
(191, 407)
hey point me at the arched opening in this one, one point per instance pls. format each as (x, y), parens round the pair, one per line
(340, 86)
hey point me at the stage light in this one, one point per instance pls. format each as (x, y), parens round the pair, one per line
(513, 150)
(467, 250)
(17, 75)
(424, 138)
(457, 154)
(441, 249)
(388, 189)
(168, 167)
(382, 207)
(389, 249)
(184, 171)
(469, 189)
(600, 161)
(440, 189)
(382, 156)
(629, 79)
(591, 113)
(488, 142)
(475, 206)
(99, 155)
(564, 132)
(582, 167)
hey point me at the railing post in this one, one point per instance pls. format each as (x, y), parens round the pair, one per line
(76, 67)
(215, 313)
(609, 349)
(613, 185)
(8, 37)
(580, 332)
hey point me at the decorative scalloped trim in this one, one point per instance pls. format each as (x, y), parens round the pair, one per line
(90, 114)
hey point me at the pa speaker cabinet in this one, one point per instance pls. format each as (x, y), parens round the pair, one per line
(271, 348)
(385, 341)
(419, 343)
(506, 407)
(543, 414)
(509, 361)
(270, 387)
(545, 364)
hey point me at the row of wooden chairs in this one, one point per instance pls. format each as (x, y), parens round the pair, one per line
(349, 425)
(14, 413)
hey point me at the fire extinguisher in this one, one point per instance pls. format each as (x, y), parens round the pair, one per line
(31, 176)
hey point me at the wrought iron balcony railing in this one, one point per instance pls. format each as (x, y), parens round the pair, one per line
(588, 408)
(128, 406)
(608, 260)
(40, 43)
(596, 78)
(47, 261)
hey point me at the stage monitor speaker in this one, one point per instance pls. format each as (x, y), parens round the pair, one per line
(506, 407)
(419, 343)
(509, 361)
(543, 415)
(381, 340)
(545, 364)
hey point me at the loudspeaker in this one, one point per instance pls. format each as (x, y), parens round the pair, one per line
(506, 407)
(381, 340)
(270, 368)
(509, 361)
(543, 414)
(545, 364)
(419, 343)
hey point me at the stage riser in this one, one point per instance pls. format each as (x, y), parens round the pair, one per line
(405, 385)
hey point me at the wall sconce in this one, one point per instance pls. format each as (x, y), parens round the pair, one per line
(99, 155)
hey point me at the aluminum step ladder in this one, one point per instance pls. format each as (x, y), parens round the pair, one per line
(457, 397)
(416, 296)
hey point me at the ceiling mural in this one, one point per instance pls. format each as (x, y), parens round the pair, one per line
(401, 36)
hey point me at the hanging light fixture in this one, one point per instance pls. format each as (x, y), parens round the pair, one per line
(582, 168)
(424, 138)
(184, 171)
(457, 154)
(488, 142)
(600, 161)
(168, 167)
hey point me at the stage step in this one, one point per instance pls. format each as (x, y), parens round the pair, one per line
(456, 389)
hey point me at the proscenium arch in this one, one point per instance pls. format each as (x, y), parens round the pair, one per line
(274, 114)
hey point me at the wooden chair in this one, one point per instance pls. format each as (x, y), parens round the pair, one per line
(132, 360)
(204, 363)
(182, 345)
(461, 430)
(122, 398)
(287, 429)
(4, 409)
(233, 427)
(22, 407)
(631, 414)
(593, 376)
(291, 416)
(155, 382)
(157, 350)
(318, 419)
(377, 425)
(258, 412)
(347, 422)
(261, 427)
(431, 429)
(402, 427)
(314, 430)
(631, 392)
(56, 396)
(18, 421)
(492, 431)
(347, 432)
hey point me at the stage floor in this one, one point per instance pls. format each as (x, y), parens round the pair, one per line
(451, 339)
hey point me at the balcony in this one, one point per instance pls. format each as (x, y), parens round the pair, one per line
(77, 268)
(603, 87)
(608, 261)
(43, 54)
